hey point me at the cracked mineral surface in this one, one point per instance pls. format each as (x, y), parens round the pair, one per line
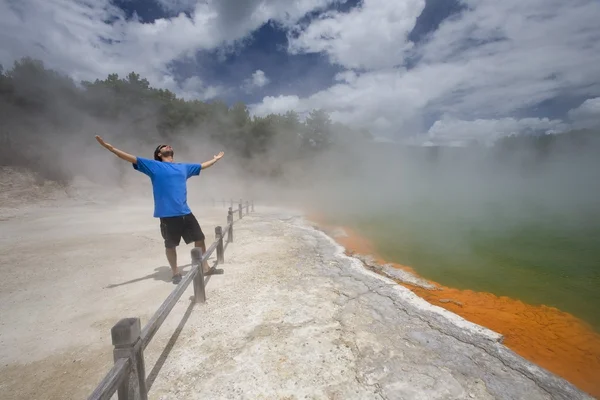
(293, 317)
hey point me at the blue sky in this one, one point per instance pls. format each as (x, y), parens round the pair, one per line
(266, 50)
(423, 71)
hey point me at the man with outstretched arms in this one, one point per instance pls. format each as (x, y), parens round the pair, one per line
(169, 187)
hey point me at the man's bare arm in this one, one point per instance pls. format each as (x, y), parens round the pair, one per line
(119, 153)
(210, 163)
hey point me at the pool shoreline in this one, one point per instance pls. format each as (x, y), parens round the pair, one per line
(553, 339)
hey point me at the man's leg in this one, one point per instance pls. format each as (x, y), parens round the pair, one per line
(193, 233)
(202, 245)
(171, 229)
(172, 258)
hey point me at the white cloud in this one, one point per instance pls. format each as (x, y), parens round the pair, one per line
(387, 101)
(453, 132)
(257, 80)
(76, 37)
(346, 76)
(277, 105)
(194, 88)
(533, 51)
(371, 36)
(177, 5)
(490, 62)
(586, 115)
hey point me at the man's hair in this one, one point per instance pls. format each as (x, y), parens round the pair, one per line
(157, 152)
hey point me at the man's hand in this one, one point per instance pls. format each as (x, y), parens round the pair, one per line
(104, 144)
(210, 163)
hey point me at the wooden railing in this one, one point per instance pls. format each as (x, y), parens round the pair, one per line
(127, 377)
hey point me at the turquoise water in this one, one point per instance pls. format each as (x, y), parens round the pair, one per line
(537, 257)
(522, 222)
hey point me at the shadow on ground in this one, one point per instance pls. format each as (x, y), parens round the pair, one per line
(160, 274)
(164, 274)
(167, 350)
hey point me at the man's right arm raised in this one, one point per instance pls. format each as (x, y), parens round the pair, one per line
(119, 153)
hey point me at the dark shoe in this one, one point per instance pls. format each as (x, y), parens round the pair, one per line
(176, 279)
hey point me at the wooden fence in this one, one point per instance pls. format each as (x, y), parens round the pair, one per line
(127, 377)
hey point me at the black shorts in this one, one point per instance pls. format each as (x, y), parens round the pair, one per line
(175, 228)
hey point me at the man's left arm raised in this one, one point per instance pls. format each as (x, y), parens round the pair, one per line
(210, 163)
(194, 169)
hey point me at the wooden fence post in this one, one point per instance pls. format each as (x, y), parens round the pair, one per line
(252, 205)
(128, 344)
(247, 207)
(230, 222)
(220, 249)
(199, 289)
(241, 209)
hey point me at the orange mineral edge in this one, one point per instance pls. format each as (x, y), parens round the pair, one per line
(550, 338)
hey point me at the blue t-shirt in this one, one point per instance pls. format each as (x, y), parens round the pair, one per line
(169, 185)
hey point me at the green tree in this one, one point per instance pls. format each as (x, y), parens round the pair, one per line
(318, 132)
(35, 100)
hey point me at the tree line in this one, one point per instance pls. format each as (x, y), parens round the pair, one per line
(46, 114)
(39, 106)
